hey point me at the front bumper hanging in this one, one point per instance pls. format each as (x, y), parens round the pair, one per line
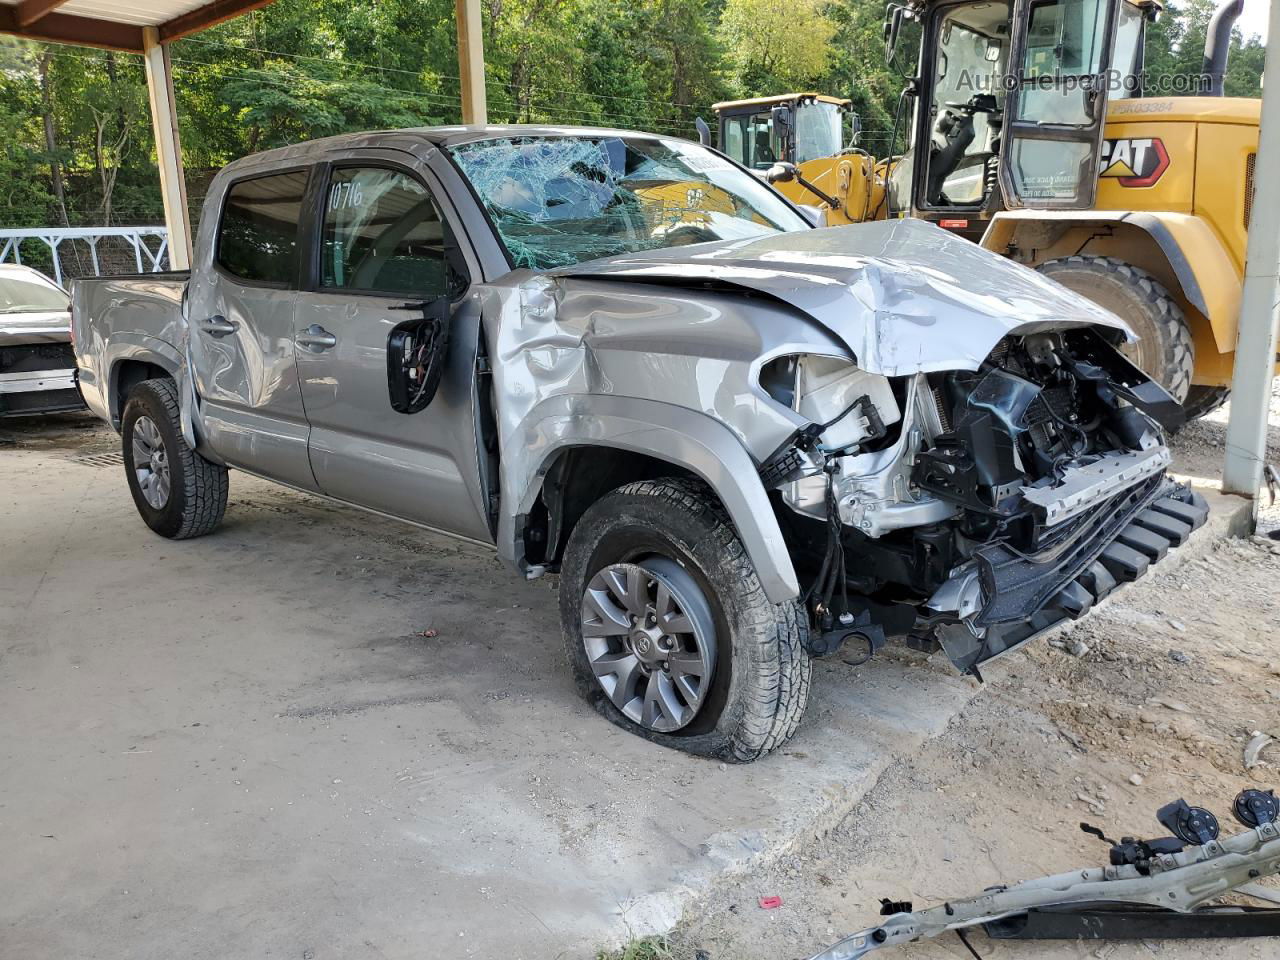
(1026, 594)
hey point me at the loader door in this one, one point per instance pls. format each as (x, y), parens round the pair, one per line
(1057, 102)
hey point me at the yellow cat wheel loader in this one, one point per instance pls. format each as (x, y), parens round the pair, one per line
(814, 133)
(1028, 129)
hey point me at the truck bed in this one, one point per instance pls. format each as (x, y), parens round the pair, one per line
(122, 323)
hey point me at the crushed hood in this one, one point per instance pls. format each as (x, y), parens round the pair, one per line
(903, 295)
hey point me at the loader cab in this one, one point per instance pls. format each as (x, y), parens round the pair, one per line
(795, 127)
(1007, 104)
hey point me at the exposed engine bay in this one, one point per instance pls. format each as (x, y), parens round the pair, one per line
(973, 509)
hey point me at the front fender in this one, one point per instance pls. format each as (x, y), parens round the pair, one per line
(1195, 255)
(677, 435)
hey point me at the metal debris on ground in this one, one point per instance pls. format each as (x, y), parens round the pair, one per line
(1150, 889)
(1253, 749)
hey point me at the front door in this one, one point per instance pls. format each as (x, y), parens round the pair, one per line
(384, 251)
(240, 311)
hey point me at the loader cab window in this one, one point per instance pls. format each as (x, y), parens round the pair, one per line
(1064, 39)
(258, 233)
(749, 139)
(819, 131)
(1127, 60)
(960, 128)
(382, 233)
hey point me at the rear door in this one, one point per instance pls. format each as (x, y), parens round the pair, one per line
(384, 250)
(240, 311)
(1057, 102)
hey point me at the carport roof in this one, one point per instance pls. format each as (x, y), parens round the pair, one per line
(115, 24)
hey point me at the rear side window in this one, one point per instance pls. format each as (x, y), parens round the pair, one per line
(383, 233)
(258, 235)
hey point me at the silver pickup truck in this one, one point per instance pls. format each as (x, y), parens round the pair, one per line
(740, 440)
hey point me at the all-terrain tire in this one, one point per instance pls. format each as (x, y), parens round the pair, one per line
(197, 495)
(760, 683)
(1165, 351)
(1203, 400)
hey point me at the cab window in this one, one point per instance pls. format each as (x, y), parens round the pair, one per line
(966, 103)
(258, 233)
(383, 233)
(749, 139)
(1127, 58)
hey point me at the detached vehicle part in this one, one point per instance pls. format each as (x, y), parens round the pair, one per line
(1149, 890)
(740, 441)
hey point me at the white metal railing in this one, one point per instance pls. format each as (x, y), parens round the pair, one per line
(52, 237)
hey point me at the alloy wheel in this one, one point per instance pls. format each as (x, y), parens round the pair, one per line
(150, 462)
(650, 639)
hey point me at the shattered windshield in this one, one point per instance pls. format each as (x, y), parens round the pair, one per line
(556, 201)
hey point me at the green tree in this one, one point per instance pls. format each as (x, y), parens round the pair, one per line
(781, 43)
(1175, 52)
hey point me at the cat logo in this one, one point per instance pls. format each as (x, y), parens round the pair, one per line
(1135, 163)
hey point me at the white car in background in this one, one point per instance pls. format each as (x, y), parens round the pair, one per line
(37, 367)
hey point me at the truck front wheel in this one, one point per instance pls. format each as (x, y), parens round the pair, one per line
(668, 630)
(1165, 351)
(179, 493)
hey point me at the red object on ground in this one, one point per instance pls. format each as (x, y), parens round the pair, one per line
(770, 903)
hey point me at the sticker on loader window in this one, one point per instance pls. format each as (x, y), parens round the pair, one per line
(1135, 162)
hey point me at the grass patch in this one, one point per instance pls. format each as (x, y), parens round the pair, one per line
(646, 948)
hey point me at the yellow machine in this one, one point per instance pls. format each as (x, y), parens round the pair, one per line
(1140, 203)
(815, 133)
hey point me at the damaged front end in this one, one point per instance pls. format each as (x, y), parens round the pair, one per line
(973, 509)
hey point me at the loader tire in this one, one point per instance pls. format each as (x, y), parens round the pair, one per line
(1165, 351)
(675, 539)
(1204, 400)
(179, 494)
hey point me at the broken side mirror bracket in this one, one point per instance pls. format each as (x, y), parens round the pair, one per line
(416, 352)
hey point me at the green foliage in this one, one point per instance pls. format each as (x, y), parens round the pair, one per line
(776, 44)
(298, 69)
(648, 948)
(1175, 51)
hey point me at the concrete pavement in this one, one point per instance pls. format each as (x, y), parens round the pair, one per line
(245, 746)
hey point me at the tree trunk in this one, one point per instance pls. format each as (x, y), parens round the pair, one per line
(51, 138)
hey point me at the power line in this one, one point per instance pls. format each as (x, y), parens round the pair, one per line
(268, 77)
(414, 73)
(258, 74)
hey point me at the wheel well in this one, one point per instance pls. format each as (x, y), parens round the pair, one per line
(578, 478)
(1123, 241)
(128, 374)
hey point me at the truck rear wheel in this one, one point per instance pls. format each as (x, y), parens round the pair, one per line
(178, 493)
(1165, 351)
(668, 630)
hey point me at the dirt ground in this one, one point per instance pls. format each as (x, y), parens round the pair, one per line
(1151, 698)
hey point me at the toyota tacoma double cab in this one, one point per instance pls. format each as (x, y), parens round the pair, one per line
(741, 440)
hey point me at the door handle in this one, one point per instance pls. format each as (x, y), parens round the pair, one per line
(218, 326)
(316, 338)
